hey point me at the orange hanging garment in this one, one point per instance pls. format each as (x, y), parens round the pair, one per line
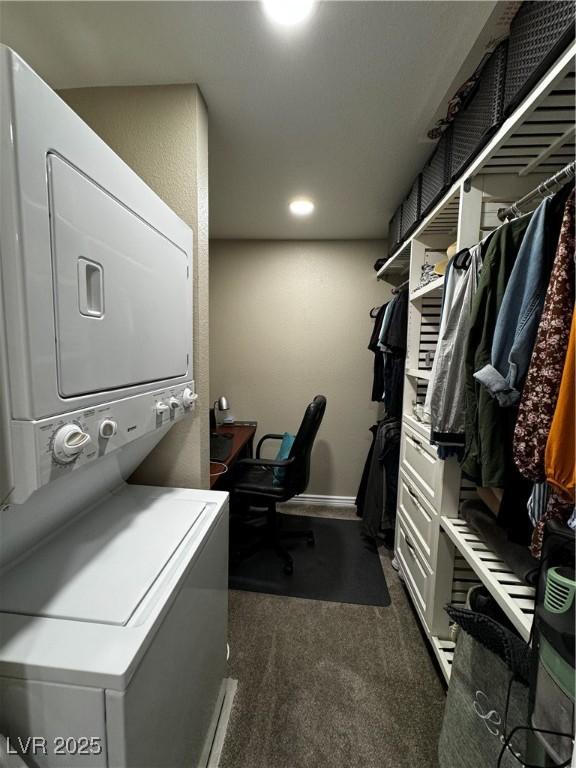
(560, 459)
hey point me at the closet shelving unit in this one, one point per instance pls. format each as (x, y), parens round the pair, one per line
(514, 597)
(397, 267)
(440, 556)
(433, 287)
(417, 374)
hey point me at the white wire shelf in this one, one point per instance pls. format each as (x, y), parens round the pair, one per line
(537, 138)
(514, 597)
(432, 287)
(397, 266)
(416, 373)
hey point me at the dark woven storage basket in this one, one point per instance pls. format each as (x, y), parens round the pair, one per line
(395, 231)
(411, 209)
(539, 33)
(482, 115)
(436, 174)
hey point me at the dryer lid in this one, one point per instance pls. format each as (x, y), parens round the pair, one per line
(100, 568)
(121, 290)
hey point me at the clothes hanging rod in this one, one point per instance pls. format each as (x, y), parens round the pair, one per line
(398, 288)
(541, 190)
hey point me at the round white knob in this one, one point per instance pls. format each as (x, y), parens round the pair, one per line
(69, 442)
(173, 403)
(108, 429)
(188, 398)
(161, 408)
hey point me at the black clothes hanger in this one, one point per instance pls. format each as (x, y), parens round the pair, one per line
(374, 312)
(462, 259)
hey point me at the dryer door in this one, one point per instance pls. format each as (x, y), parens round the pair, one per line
(122, 293)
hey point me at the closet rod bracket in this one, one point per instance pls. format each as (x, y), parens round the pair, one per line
(545, 188)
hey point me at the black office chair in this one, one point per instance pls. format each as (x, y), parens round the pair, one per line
(256, 489)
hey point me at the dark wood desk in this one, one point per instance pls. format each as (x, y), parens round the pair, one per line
(242, 447)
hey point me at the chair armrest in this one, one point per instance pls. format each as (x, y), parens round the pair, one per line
(264, 462)
(269, 436)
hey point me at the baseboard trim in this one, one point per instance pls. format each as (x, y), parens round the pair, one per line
(325, 501)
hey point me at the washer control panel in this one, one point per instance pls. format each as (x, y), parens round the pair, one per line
(61, 444)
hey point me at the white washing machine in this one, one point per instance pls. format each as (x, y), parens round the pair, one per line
(113, 597)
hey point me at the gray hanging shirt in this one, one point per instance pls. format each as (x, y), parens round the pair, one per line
(446, 396)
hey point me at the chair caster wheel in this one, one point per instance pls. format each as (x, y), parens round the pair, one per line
(289, 569)
(310, 540)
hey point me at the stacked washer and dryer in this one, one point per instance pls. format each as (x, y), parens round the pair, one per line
(113, 597)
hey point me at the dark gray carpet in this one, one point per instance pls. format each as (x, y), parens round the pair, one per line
(327, 685)
(341, 567)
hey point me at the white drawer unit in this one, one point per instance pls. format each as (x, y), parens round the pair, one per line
(419, 460)
(419, 514)
(416, 570)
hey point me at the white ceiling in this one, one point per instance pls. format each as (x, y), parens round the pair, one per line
(336, 109)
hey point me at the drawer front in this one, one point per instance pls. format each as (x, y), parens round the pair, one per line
(420, 462)
(416, 570)
(421, 518)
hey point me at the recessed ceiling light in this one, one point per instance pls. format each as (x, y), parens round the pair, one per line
(301, 207)
(288, 12)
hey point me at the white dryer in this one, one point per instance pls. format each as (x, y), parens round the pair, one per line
(113, 597)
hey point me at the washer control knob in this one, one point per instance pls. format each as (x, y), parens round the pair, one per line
(161, 408)
(108, 429)
(188, 398)
(69, 442)
(173, 403)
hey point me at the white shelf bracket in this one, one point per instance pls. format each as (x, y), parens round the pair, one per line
(469, 215)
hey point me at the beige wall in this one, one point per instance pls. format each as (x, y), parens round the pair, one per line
(162, 133)
(289, 320)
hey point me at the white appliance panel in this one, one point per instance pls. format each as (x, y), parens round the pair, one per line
(149, 691)
(171, 727)
(97, 432)
(69, 723)
(121, 290)
(114, 597)
(25, 525)
(101, 566)
(28, 302)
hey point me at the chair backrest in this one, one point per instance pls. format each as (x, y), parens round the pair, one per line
(298, 473)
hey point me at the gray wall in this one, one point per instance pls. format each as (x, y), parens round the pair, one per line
(162, 133)
(289, 320)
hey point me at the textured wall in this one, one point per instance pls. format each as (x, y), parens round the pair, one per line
(289, 320)
(162, 133)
